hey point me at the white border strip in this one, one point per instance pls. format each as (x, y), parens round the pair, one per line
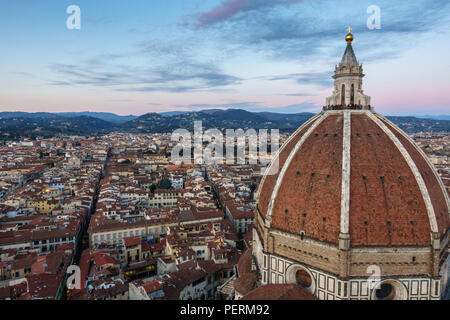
(413, 167)
(345, 194)
(288, 161)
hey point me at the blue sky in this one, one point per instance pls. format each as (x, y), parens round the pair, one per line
(260, 55)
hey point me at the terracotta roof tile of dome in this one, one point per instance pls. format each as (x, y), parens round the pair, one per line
(280, 292)
(266, 186)
(312, 184)
(393, 196)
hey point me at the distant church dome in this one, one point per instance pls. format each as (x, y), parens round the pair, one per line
(353, 196)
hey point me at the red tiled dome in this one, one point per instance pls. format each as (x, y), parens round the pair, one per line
(354, 172)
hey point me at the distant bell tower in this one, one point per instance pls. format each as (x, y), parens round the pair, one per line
(348, 93)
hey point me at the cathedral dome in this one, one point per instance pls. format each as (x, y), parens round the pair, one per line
(350, 171)
(351, 207)
(354, 172)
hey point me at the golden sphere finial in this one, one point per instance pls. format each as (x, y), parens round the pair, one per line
(349, 36)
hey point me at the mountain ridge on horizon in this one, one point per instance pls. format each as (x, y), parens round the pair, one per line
(116, 118)
(23, 124)
(106, 116)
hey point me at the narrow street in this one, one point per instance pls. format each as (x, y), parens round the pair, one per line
(84, 243)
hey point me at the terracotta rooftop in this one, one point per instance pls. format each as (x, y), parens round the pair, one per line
(280, 292)
(132, 241)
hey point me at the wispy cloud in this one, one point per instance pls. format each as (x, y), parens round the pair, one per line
(230, 8)
(171, 70)
(285, 29)
(311, 28)
(319, 78)
(299, 94)
(322, 79)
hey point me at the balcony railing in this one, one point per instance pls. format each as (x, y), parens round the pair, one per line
(347, 107)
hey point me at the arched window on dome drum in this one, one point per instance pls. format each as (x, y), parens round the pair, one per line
(352, 94)
(385, 292)
(343, 95)
(303, 278)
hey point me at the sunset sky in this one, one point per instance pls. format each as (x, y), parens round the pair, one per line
(135, 57)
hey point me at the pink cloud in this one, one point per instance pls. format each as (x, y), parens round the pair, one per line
(230, 8)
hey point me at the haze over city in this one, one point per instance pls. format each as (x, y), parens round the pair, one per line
(159, 56)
